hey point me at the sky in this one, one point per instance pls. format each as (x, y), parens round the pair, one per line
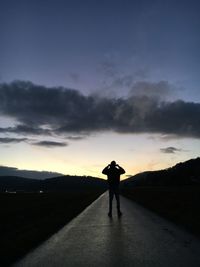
(83, 83)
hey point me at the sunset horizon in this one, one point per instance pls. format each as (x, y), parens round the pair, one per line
(82, 84)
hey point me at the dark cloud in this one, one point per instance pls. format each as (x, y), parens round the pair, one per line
(38, 109)
(170, 150)
(7, 140)
(12, 171)
(49, 144)
(25, 129)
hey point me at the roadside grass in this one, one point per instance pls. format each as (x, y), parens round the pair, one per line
(27, 219)
(178, 204)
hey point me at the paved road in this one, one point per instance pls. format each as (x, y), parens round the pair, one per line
(138, 239)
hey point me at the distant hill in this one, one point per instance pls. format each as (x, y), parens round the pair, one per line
(184, 173)
(13, 171)
(61, 183)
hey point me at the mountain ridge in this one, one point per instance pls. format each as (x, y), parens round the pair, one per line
(183, 173)
(60, 183)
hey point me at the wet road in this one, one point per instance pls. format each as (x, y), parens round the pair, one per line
(139, 238)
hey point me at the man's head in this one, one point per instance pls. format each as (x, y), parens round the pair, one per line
(113, 163)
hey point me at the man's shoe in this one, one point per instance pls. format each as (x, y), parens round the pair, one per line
(119, 213)
(109, 214)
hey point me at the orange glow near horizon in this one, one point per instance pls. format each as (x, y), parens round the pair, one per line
(87, 157)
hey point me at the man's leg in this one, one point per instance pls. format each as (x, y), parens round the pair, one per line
(118, 201)
(111, 194)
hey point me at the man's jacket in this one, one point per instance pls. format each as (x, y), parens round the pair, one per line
(113, 173)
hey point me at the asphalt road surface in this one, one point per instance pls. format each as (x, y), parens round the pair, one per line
(139, 238)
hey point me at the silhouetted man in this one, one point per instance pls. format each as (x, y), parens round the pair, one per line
(113, 172)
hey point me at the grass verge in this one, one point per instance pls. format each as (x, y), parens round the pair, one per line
(27, 219)
(178, 204)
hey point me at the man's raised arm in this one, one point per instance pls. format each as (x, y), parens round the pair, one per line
(122, 171)
(105, 170)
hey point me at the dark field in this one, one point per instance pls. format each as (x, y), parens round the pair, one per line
(178, 204)
(29, 218)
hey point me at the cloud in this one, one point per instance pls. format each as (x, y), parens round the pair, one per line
(109, 66)
(25, 129)
(61, 111)
(75, 138)
(159, 90)
(170, 150)
(7, 140)
(50, 144)
(12, 171)
(75, 77)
